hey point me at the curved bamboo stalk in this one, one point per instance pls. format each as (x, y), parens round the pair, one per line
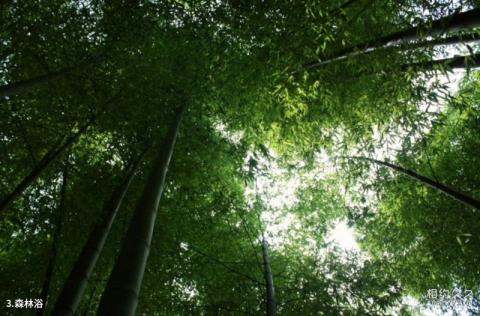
(465, 199)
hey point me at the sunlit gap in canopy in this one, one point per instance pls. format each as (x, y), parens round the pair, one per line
(278, 189)
(387, 146)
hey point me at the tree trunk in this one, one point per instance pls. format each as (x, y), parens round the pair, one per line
(469, 201)
(72, 291)
(54, 249)
(46, 160)
(271, 303)
(453, 23)
(121, 294)
(453, 39)
(28, 84)
(449, 40)
(456, 62)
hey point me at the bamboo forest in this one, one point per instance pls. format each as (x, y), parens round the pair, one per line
(221, 157)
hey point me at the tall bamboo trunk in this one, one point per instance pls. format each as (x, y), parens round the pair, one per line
(454, 39)
(55, 152)
(28, 84)
(72, 291)
(452, 23)
(271, 302)
(456, 62)
(121, 294)
(467, 200)
(44, 294)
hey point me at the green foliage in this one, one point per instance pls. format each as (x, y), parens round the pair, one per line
(431, 239)
(246, 69)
